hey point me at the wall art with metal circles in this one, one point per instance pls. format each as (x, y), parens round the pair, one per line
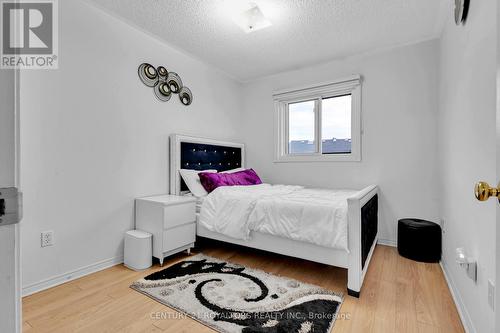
(164, 83)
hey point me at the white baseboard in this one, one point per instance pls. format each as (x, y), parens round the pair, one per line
(462, 310)
(69, 276)
(387, 242)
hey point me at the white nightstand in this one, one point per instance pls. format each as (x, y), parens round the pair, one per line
(171, 219)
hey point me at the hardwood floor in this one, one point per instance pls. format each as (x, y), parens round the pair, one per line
(398, 295)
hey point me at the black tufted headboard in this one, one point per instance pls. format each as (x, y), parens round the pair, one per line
(201, 154)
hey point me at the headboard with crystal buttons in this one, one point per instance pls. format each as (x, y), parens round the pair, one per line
(194, 153)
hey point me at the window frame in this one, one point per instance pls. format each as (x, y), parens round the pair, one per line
(347, 86)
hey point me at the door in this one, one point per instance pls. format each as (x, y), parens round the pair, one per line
(10, 288)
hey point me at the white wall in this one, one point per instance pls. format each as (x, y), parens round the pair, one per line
(399, 101)
(94, 137)
(467, 134)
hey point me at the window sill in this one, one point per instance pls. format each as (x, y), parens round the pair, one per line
(318, 158)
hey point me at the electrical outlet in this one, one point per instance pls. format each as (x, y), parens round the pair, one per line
(47, 238)
(491, 294)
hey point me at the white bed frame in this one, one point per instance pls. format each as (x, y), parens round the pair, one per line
(350, 260)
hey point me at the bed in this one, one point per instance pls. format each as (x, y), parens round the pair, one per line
(189, 152)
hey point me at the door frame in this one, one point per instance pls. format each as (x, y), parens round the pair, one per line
(17, 183)
(497, 238)
(11, 304)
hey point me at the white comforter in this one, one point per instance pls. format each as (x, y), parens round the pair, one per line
(317, 216)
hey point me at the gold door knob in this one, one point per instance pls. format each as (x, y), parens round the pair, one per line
(484, 191)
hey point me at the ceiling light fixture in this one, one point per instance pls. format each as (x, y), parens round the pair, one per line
(252, 19)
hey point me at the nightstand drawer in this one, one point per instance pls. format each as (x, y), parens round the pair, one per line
(179, 214)
(179, 236)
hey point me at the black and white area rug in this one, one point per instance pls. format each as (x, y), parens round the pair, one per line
(231, 298)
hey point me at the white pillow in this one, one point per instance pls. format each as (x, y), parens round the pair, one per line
(233, 170)
(192, 181)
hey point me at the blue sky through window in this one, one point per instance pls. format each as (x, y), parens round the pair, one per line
(301, 121)
(336, 118)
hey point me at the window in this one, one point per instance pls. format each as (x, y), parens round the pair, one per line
(321, 123)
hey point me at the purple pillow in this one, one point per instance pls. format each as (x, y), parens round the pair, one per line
(211, 181)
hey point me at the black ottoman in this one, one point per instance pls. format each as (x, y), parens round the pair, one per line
(419, 240)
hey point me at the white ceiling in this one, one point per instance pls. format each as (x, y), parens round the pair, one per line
(303, 32)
